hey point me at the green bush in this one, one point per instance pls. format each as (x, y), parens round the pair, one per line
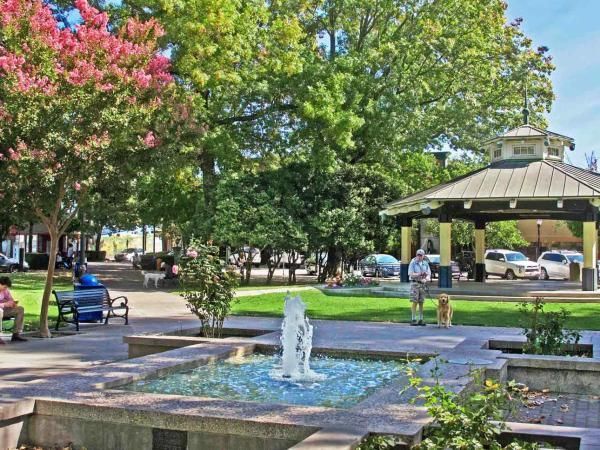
(545, 331)
(94, 256)
(473, 421)
(208, 288)
(37, 261)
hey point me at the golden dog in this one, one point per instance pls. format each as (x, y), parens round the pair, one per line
(444, 311)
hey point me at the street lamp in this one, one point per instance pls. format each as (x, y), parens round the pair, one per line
(539, 225)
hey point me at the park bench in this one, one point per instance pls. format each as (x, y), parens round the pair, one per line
(7, 319)
(75, 303)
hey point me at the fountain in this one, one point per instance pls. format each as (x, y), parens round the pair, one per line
(296, 341)
(287, 378)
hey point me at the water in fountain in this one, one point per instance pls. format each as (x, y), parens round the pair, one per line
(296, 340)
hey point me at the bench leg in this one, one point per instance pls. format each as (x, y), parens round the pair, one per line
(107, 316)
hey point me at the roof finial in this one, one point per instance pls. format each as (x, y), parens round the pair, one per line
(525, 108)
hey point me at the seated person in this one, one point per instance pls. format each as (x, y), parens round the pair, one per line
(9, 308)
(60, 262)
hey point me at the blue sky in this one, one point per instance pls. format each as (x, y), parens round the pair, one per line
(570, 29)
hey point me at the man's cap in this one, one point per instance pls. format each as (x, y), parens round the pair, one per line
(420, 252)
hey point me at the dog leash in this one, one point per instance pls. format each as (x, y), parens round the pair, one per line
(426, 287)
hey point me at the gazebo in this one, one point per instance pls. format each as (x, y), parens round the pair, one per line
(526, 179)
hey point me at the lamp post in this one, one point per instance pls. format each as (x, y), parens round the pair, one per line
(539, 225)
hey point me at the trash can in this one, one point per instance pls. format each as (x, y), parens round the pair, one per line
(89, 281)
(574, 271)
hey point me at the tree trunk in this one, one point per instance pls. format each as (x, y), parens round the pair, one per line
(248, 267)
(153, 238)
(333, 262)
(144, 239)
(98, 240)
(272, 264)
(209, 181)
(292, 255)
(44, 330)
(30, 241)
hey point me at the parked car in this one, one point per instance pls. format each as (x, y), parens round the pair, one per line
(11, 264)
(555, 264)
(234, 258)
(128, 254)
(381, 265)
(434, 266)
(510, 265)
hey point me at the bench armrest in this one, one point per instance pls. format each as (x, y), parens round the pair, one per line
(123, 301)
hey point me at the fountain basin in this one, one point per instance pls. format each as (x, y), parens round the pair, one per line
(338, 382)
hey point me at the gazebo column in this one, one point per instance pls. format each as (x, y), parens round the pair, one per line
(445, 275)
(479, 273)
(589, 279)
(405, 247)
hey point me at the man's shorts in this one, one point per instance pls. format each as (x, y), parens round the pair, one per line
(417, 292)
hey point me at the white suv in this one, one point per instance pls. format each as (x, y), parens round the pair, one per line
(556, 264)
(510, 265)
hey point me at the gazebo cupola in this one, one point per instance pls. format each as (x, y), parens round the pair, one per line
(528, 142)
(526, 179)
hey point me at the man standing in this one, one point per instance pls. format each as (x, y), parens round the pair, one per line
(418, 272)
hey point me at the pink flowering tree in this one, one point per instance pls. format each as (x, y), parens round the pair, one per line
(77, 110)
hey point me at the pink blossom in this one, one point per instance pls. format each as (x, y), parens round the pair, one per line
(192, 253)
(77, 186)
(150, 140)
(13, 154)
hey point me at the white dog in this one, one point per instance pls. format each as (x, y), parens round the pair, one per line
(156, 276)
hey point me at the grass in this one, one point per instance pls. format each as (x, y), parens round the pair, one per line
(27, 289)
(376, 309)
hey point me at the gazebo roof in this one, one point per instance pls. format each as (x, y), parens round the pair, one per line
(527, 130)
(506, 180)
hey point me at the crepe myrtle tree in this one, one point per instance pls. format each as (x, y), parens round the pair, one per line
(76, 109)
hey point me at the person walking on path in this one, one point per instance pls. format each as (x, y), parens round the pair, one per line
(9, 308)
(419, 273)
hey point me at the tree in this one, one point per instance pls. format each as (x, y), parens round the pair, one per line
(233, 60)
(77, 109)
(497, 234)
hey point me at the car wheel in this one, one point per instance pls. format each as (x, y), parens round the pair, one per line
(544, 274)
(12, 269)
(510, 275)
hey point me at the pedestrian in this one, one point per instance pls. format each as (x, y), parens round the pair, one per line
(9, 308)
(419, 273)
(70, 252)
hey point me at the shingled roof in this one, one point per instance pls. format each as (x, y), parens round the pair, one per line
(513, 179)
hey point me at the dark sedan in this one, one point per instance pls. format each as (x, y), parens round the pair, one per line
(434, 265)
(380, 265)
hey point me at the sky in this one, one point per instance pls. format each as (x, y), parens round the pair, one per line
(570, 29)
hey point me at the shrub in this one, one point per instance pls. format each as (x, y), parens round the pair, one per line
(472, 421)
(37, 261)
(94, 256)
(208, 288)
(545, 331)
(353, 280)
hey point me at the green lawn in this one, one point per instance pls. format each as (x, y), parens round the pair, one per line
(27, 289)
(377, 309)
